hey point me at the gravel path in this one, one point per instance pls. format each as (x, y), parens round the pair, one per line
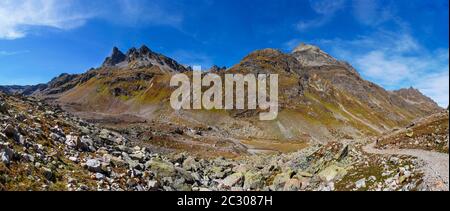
(436, 165)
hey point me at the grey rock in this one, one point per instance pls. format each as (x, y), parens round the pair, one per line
(131, 163)
(332, 173)
(99, 176)
(161, 168)
(233, 180)
(153, 185)
(115, 161)
(360, 183)
(6, 155)
(71, 141)
(94, 165)
(86, 144)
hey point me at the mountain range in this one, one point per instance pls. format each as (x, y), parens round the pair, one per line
(112, 129)
(321, 99)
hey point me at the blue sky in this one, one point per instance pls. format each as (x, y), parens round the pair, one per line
(395, 43)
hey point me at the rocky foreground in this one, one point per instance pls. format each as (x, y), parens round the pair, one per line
(44, 148)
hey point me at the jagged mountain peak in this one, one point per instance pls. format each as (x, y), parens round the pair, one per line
(144, 49)
(140, 58)
(116, 58)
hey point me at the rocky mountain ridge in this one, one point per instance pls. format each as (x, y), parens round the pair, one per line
(321, 99)
(142, 57)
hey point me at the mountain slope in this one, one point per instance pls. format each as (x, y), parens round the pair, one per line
(321, 99)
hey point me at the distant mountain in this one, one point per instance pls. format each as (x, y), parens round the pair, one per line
(22, 90)
(414, 96)
(321, 98)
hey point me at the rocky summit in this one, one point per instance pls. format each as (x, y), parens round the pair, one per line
(112, 128)
(142, 57)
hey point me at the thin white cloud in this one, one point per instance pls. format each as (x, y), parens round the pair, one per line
(372, 12)
(315, 23)
(325, 9)
(377, 66)
(12, 53)
(136, 12)
(20, 17)
(436, 86)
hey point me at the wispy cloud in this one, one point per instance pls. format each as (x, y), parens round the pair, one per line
(17, 16)
(20, 17)
(325, 9)
(12, 53)
(366, 12)
(373, 12)
(136, 12)
(436, 86)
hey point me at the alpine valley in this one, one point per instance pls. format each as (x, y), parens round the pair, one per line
(112, 128)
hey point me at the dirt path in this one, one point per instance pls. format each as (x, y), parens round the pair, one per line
(435, 169)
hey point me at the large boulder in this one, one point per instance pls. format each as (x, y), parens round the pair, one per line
(94, 165)
(161, 168)
(233, 180)
(86, 144)
(332, 173)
